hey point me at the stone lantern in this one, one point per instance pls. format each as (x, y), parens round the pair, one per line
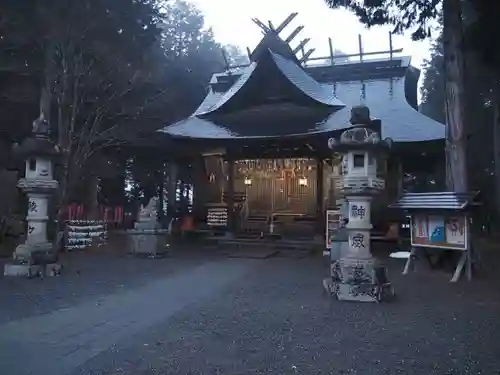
(359, 277)
(38, 184)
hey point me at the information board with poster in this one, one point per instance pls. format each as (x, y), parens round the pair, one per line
(440, 220)
(444, 232)
(333, 220)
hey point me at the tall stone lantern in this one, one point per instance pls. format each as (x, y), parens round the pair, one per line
(359, 276)
(38, 184)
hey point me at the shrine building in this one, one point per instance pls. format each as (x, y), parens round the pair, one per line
(260, 137)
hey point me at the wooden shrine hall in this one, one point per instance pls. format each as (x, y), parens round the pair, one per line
(263, 132)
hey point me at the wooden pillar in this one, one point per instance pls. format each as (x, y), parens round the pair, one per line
(231, 217)
(393, 178)
(171, 189)
(400, 178)
(161, 193)
(200, 187)
(91, 199)
(320, 221)
(183, 177)
(440, 172)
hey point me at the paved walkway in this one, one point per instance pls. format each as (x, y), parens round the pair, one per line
(59, 342)
(276, 320)
(86, 276)
(209, 315)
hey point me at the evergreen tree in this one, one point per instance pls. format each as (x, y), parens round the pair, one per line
(417, 16)
(102, 72)
(433, 88)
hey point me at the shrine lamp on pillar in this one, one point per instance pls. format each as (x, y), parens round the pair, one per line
(303, 181)
(362, 276)
(248, 181)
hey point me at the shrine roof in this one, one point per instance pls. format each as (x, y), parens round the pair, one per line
(272, 42)
(272, 120)
(322, 93)
(388, 87)
(435, 201)
(291, 78)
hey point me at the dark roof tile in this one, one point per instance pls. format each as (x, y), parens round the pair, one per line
(321, 93)
(435, 200)
(240, 82)
(386, 97)
(387, 102)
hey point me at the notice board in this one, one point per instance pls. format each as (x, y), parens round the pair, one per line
(445, 232)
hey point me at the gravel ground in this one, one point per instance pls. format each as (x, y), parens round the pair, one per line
(278, 321)
(86, 275)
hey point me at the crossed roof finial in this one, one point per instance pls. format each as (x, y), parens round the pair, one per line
(269, 28)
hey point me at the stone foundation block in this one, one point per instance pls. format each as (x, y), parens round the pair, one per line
(27, 270)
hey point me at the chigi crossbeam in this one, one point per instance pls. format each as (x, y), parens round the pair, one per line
(304, 55)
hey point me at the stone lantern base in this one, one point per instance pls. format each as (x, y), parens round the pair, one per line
(357, 281)
(361, 280)
(33, 259)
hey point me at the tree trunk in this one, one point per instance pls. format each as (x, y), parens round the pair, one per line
(92, 197)
(456, 135)
(496, 145)
(160, 180)
(60, 202)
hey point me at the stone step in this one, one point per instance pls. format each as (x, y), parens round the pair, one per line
(280, 244)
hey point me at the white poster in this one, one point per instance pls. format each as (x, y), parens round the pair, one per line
(421, 230)
(455, 231)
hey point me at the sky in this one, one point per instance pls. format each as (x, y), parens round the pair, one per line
(231, 21)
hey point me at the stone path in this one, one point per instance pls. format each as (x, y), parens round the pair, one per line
(86, 276)
(59, 342)
(275, 320)
(200, 315)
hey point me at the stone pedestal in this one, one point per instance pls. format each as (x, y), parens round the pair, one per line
(147, 239)
(24, 262)
(36, 249)
(356, 281)
(148, 243)
(360, 277)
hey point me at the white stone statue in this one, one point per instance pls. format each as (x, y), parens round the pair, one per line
(147, 215)
(149, 210)
(147, 236)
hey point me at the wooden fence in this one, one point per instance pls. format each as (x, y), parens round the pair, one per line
(115, 217)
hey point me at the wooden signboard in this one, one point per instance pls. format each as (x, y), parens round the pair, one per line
(444, 232)
(217, 217)
(333, 220)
